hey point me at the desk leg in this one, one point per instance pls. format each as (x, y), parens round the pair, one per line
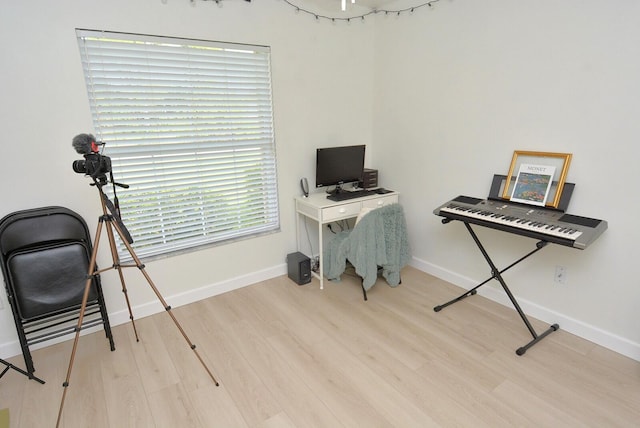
(298, 230)
(320, 262)
(304, 219)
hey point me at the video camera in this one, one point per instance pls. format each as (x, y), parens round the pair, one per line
(94, 164)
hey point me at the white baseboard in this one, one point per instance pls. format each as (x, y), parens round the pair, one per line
(581, 329)
(11, 349)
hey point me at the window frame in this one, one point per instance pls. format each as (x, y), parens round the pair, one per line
(218, 156)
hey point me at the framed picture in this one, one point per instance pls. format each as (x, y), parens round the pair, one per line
(557, 164)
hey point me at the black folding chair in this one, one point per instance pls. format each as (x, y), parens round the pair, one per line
(44, 254)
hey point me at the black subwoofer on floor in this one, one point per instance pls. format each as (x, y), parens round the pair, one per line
(299, 268)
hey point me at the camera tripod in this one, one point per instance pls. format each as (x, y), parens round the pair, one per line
(112, 219)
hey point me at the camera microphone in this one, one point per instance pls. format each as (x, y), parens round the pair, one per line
(85, 144)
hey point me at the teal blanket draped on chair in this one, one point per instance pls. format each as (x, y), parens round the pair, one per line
(379, 239)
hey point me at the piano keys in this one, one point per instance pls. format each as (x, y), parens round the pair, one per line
(535, 222)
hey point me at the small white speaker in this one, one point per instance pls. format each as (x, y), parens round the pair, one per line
(304, 185)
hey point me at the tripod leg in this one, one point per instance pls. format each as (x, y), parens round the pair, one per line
(118, 267)
(167, 308)
(83, 307)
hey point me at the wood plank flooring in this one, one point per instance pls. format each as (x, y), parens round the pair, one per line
(295, 356)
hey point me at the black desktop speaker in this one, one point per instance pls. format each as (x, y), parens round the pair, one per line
(299, 268)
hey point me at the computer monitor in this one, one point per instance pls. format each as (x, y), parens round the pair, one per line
(336, 166)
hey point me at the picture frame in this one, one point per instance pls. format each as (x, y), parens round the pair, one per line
(499, 181)
(560, 161)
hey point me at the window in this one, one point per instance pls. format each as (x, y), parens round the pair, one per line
(189, 127)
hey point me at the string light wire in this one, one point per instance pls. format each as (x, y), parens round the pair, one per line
(319, 16)
(397, 12)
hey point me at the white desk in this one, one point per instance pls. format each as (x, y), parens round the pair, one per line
(317, 207)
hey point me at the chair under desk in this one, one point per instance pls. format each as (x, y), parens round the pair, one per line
(324, 211)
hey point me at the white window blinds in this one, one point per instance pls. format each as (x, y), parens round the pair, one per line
(189, 127)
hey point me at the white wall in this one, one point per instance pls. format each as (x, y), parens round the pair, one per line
(441, 98)
(322, 84)
(463, 86)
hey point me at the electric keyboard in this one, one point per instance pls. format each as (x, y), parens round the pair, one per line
(535, 222)
(343, 196)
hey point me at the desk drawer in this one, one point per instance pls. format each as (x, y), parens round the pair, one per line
(380, 202)
(341, 211)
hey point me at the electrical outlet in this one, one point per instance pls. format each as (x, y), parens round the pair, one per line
(561, 275)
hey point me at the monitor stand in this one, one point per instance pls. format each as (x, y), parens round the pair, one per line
(336, 190)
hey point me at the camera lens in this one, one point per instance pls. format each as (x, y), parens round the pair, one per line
(80, 166)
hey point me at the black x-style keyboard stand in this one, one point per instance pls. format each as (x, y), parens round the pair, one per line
(497, 275)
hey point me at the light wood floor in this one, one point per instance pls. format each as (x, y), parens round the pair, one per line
(294, 356)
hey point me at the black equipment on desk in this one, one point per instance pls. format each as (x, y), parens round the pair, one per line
(345, 195)
(369, 179)
(545, 224)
